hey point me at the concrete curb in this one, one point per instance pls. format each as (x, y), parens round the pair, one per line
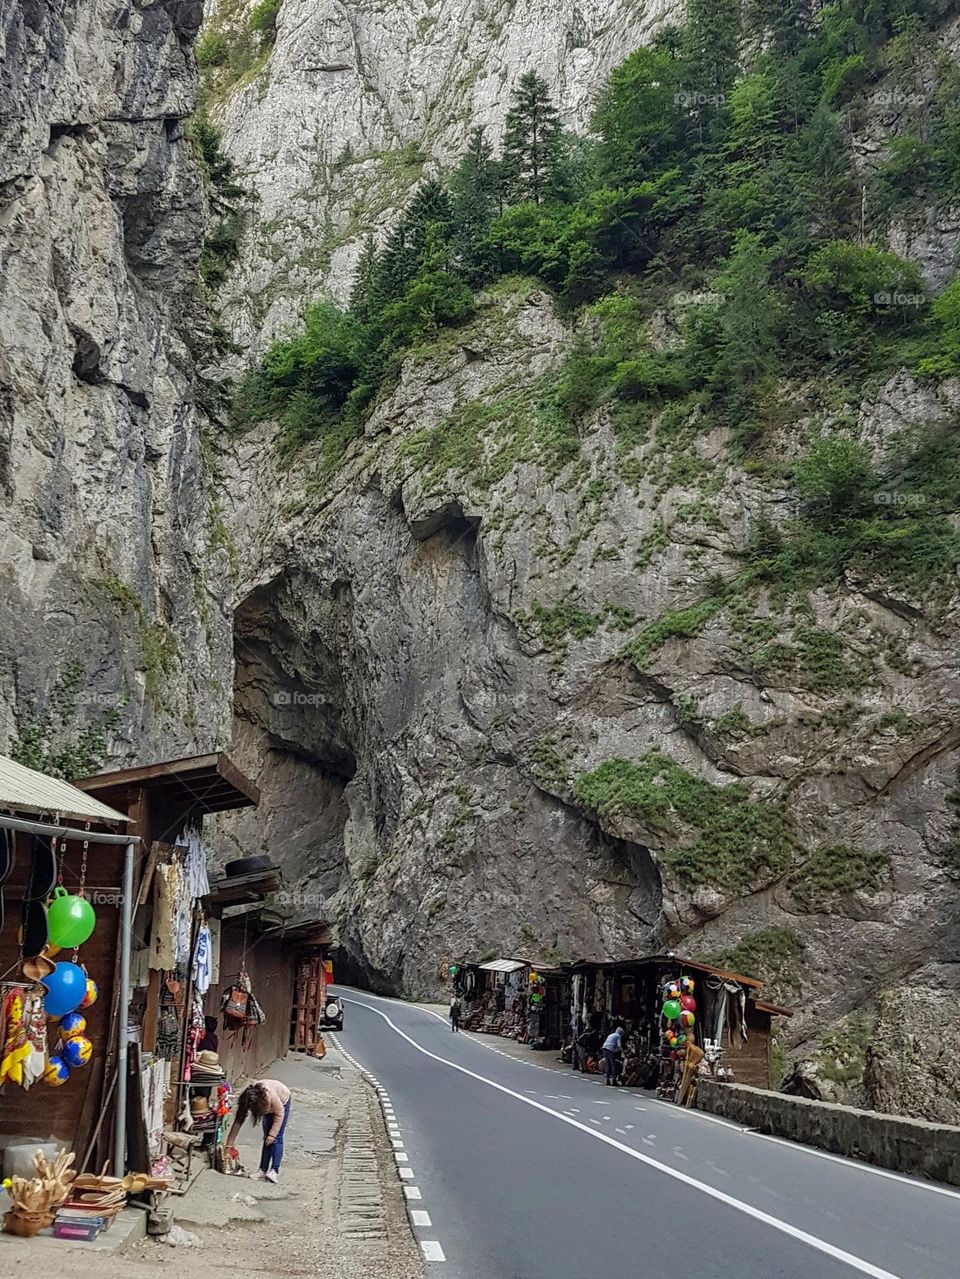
(381, 1094)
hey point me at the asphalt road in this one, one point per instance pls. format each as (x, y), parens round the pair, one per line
(519, 1172)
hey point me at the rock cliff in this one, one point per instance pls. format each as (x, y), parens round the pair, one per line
(357, 103)
(438, 648)
(114, 608)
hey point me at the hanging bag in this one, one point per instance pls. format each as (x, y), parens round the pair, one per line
(235, 1008)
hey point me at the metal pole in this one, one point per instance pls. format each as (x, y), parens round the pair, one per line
(126, 930)
(65, 832)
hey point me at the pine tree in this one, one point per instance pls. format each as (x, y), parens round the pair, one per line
(474, 185)
(396, 266)
(709, 44)
(363, 294)
(788, 24)
(531, 141)
(428, 218)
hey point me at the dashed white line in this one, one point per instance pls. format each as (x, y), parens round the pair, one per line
(412, 1192)
(431, 1250)
(420, 1217)
(401, 1157)
(406, 1173)
(784, 1227)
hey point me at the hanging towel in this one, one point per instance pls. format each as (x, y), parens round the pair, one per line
(201, 961)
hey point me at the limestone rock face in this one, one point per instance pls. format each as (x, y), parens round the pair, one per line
(357, 102)
(418, 711)
(105, 550)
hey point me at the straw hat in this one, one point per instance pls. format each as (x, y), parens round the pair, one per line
(208, 1058)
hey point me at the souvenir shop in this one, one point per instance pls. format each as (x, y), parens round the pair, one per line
(182, 1100)
(67, 866)
(666, 1004)
(513, 998)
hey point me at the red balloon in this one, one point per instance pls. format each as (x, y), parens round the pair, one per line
(688, 1003)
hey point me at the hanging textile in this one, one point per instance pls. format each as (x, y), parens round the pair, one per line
(162, 932)
(195, 860)
(35, 1021)
(201, 961)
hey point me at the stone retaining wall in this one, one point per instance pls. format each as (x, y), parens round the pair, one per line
(890, 1141)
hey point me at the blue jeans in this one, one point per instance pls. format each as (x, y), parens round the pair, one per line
(270, 1156)
(612, 1065)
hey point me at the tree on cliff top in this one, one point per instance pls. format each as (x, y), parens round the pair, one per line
(531, 142)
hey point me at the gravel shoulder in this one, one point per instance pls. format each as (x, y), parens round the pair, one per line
(337, 1212)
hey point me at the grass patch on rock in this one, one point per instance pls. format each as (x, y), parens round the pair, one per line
(710, 834)
(836, 871)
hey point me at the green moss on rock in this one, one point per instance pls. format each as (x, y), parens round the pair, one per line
(711, 834)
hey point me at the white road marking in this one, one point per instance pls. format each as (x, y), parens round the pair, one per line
(621, 1131)
(853, 1163)
(419, 1217)
(401, 1157)
(821, 1245)
(412, 1192)
(432, 1250)
(628, 1127)
(406, 1173)
(396, 1143)
(700, 1114)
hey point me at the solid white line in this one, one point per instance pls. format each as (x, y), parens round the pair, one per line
(432, 1250)
(854, 1163)
(412, 1192)
(821, 1245)
(420, 1217)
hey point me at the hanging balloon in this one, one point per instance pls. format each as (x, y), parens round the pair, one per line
(56, 1073)
(686, 985)
(66, 988)
(535, 999)
(687, 1019)
(72, 1024)
(681, 1040)
(91, 996)
(688, 1003)
(70, 919)
(453, 970)
(77, 1051)
(671, 1009)
(671, 990)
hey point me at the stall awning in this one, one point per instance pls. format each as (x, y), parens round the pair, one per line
(205, 783)
(503, 965)
(24, 790)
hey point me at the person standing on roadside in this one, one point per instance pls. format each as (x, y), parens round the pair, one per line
(455, 1014)
(612, 1047)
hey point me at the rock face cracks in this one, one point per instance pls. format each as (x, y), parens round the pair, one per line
(113, 589)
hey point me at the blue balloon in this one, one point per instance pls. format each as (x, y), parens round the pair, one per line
(66, 989)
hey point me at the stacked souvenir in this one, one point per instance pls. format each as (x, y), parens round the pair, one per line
(52, 920)
(679, 1012)
(36, 1199)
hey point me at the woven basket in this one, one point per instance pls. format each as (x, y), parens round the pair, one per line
(18, 1221)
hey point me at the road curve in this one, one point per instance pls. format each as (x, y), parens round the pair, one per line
(524, 1172)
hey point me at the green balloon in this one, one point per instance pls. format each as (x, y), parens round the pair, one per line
(671, 1009)
(70, 920)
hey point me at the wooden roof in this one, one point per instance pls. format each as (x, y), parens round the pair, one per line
(205, 783)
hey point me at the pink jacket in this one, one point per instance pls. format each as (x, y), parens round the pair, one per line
(278, 1094)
